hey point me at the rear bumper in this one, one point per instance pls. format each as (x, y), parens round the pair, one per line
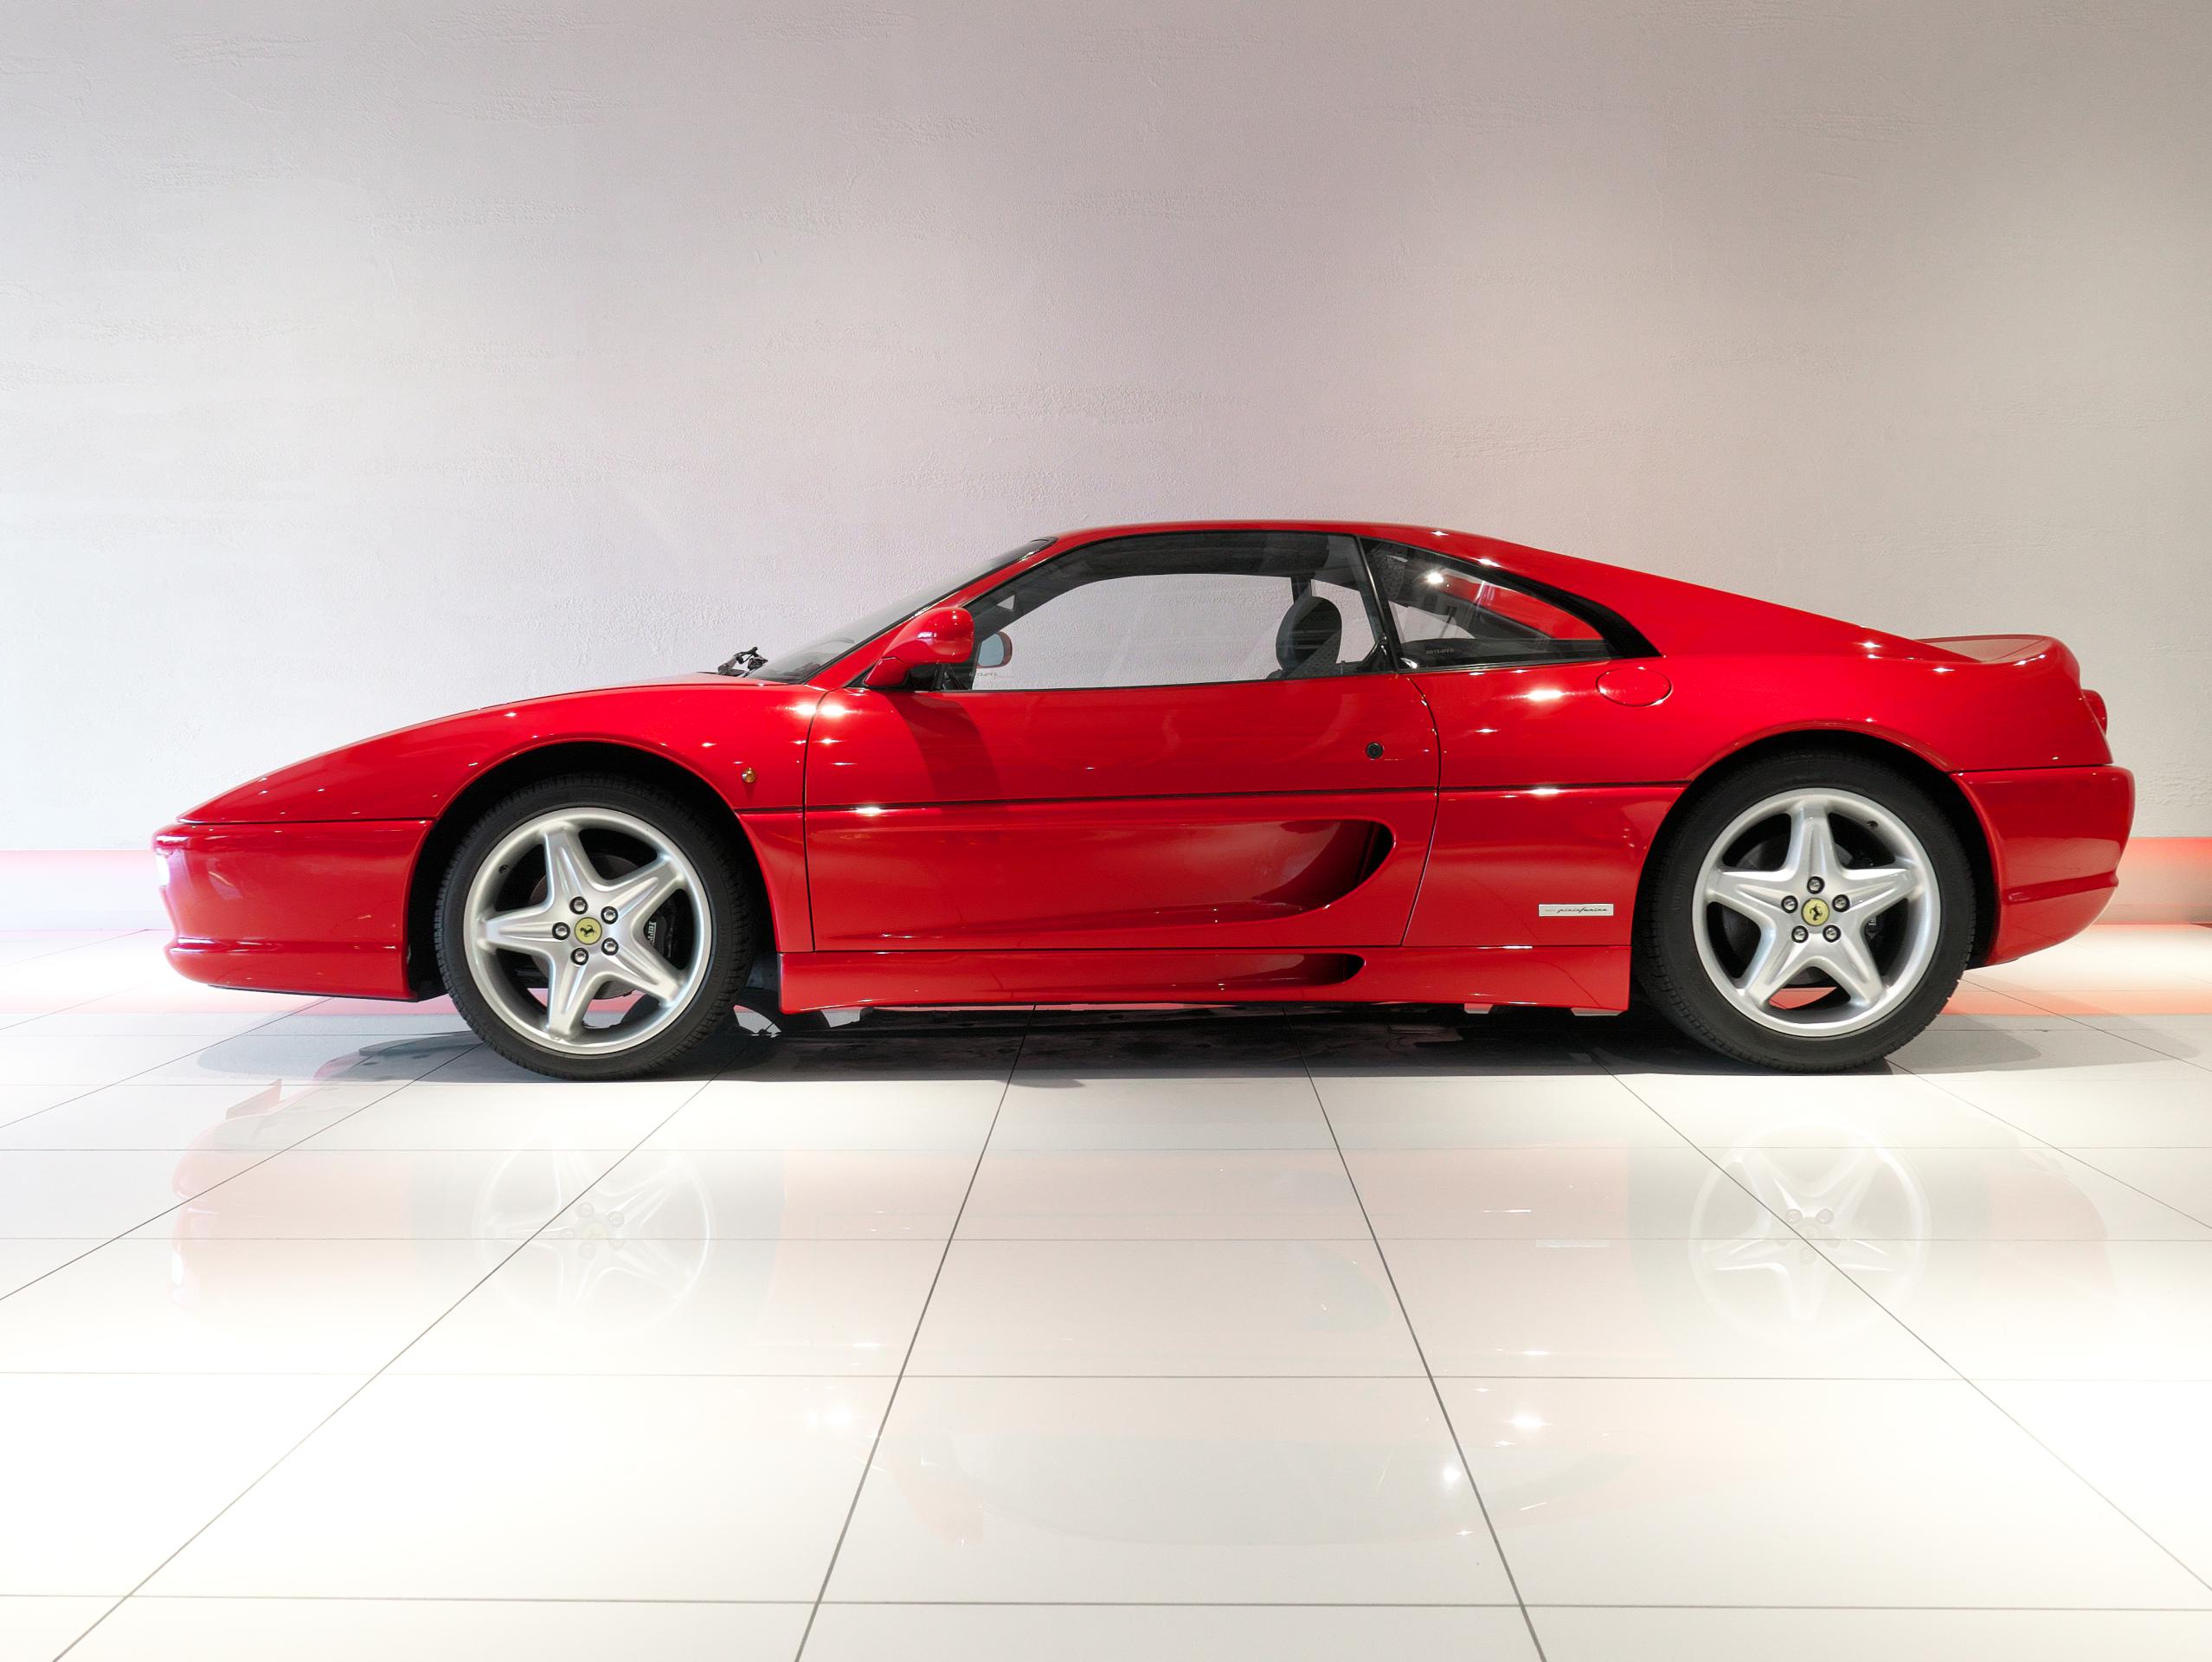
(2055, 839)
(319, 907)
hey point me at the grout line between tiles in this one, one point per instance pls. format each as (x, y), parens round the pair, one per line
(1435, 1391)
(1116, 1604)
(2067, 1152)
(1970, 1382)
(890, 1402)
(354, 1395)
(2017, 998)
(273, 1018)
(118, 992)
(394, 1086)
(935, 1237)
(101, 936)
(236, 1370)
(946, 1240)
(97, 1244)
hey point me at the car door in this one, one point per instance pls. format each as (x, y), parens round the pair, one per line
(1184, 739)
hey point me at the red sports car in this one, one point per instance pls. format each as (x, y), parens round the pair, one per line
(1204, 764)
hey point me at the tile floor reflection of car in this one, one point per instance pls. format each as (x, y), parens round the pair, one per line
(1306, 1335)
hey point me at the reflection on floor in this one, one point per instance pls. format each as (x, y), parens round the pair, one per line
(323, 1332)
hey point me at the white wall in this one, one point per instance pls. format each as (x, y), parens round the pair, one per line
(361, 361)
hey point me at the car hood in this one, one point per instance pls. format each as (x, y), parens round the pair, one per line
(716, 727)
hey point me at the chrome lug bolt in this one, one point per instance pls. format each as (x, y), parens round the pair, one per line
(560, 931)
(578, 905)
(1798, 933)
(580, 957)
(1832, 933)
(608, 946)
(606, 915)
(1814, 885)
(1843, 903)
(1789, 903)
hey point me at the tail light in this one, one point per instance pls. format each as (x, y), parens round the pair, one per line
(2096, 703)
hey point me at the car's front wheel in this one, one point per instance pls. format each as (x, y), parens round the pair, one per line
(592, 928)
(1810, 912)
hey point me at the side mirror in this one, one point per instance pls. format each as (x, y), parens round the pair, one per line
(995, 653)
(944, 634)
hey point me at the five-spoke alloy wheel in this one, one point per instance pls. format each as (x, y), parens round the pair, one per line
(1809, 911)
(592, 928)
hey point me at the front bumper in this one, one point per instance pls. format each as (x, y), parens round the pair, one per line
(316, 907)
(2055, 839)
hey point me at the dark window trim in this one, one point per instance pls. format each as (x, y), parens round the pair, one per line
(1622, 638)
(1378, 623)
(861, 664)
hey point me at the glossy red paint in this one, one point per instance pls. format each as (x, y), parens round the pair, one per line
(1594, 978)
(1636, 684)
(1500, 856)
(780, 849)
(709, 726)
(944, 634)
(1553, 725)
(298, 908)
(896, 749)
(2056, 836)
(1250, 807)
(1385, 836)
(1293, 870)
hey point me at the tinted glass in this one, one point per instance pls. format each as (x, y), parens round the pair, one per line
(820, 653)
(1177, 609)
(1448, 616)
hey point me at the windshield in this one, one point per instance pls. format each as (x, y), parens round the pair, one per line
(819, 654)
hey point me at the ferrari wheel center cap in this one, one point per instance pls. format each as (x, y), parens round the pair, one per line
(587, 930)
(1816, 913)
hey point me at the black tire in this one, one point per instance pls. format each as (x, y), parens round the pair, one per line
(1671, 978)
(707, 1012)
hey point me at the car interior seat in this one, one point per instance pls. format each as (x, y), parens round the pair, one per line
(1307, 639)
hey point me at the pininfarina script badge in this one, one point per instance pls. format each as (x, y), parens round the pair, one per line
(1575, 909)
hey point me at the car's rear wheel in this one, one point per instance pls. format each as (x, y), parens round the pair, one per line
(1810, 912)
(592, 928)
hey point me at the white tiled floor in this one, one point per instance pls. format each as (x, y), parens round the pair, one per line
(323, 1332)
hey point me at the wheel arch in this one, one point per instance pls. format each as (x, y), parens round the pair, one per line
(1943, 790)
(546, 761)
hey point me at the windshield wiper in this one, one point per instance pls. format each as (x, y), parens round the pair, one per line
(741, 663)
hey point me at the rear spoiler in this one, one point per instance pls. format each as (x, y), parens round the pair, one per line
(2021, 649)
(1996, 648)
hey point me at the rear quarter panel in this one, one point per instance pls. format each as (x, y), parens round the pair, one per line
(1553, 794)
(2056, 835)
(1509, 729)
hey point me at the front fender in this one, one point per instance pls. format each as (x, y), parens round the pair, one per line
(713, 726)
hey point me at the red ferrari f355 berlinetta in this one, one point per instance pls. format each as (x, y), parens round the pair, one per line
(1204, 764)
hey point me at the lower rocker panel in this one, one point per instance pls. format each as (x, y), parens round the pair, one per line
(1581, 977)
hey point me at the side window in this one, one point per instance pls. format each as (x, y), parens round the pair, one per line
(1449, 615)
(1179, 609)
